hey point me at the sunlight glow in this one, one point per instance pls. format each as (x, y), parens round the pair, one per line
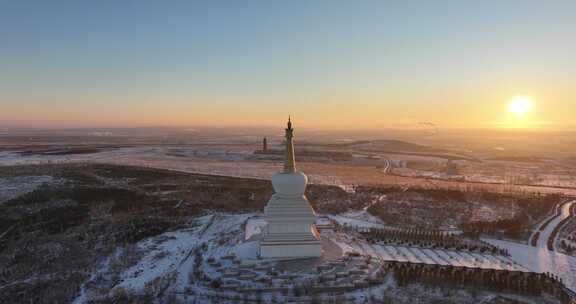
(521, 105)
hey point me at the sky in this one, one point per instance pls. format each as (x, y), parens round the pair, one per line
(352, 64)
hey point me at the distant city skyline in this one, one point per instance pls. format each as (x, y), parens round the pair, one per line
(330, 64)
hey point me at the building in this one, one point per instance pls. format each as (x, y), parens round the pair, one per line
(264, 145)
(290, 230)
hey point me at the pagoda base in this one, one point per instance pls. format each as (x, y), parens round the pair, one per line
(290, 249)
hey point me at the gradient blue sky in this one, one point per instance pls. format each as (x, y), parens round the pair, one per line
(354, 63)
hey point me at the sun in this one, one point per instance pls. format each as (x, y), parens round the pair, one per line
(521, 105)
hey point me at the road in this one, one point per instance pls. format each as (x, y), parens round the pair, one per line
(388, 166)
(546, 233)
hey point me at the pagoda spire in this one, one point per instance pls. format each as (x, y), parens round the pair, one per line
(289, 162)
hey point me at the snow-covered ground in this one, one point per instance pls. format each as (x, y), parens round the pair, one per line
(14, 158)
(220, 161)
(11, 187)
(8, 157)
(541, 260)
(433, 256)
(171, 256)
(166, 255)
(523, 257)
(547, 180)
(254, 226)
(358, 218)
(163, 255)
(363, 219)
(418, 294)
(170, 252)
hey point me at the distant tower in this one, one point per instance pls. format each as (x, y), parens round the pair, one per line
(264, 145)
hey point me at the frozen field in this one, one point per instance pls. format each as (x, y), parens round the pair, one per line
(225, 162)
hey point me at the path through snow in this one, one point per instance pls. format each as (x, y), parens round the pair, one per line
(545, 234)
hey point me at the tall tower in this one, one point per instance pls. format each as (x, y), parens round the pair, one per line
(264, 145)
(290, 230)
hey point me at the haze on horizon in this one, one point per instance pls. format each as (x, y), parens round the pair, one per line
(331, 64)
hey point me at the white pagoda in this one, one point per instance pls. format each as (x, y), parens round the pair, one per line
(290, 230)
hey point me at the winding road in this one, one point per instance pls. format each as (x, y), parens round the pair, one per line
(548, 227)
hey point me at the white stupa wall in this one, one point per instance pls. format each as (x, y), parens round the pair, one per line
(290, 231)
(291, 251)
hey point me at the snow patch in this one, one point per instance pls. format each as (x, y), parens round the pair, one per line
(541, 260)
